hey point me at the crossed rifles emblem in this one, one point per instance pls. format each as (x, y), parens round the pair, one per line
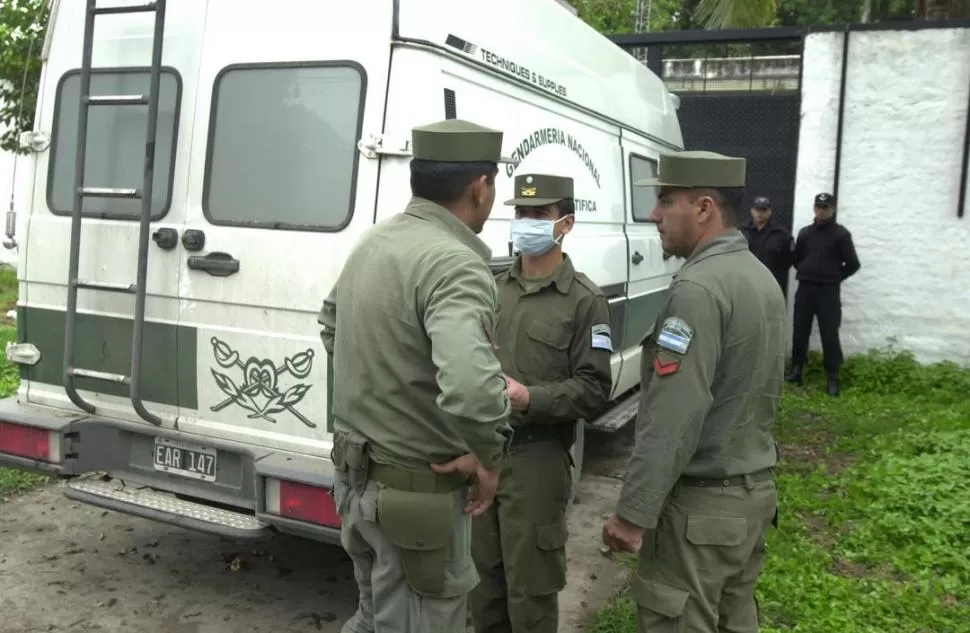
(260, 392)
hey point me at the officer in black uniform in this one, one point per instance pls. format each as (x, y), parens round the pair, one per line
(824, 257)
(769, 242)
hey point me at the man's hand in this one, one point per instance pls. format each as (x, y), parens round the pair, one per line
(482, 492)
(622, 536)
(518, 393)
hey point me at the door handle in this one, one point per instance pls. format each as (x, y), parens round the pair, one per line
(193, 240)
(637, 257)
(166, 238)
(216, 264)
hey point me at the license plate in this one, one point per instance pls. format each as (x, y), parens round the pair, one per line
(187, 460)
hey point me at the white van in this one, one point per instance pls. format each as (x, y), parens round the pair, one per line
(282, 134)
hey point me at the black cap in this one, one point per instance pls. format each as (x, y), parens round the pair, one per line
(825, 200)
(762, 203)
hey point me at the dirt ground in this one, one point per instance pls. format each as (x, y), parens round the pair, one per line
(71, 567)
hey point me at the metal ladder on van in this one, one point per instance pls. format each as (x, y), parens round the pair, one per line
(82, 191)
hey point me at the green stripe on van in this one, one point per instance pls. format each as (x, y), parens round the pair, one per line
(104, 344)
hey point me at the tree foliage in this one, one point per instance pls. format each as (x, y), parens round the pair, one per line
(607, 16)
(23, 22)
(801, 13)
(942, 9)
(22, 25)
(619, 16)
(725, 14)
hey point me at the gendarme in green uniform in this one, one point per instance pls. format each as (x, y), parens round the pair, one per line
(409, 325)
(547, 333)
(700, 479)
(553, 337)
(420, 277)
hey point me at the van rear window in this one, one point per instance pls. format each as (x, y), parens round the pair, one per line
(283, 145)
(115, 151)
(643, 199)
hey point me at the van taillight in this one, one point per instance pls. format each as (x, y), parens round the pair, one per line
(301, 502)
(27, 441)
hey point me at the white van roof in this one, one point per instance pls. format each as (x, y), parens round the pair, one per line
(542, 43)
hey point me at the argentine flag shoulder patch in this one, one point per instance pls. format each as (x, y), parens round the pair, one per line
(675, 335)
(602, 337)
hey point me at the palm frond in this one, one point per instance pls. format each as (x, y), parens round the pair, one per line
(726, 14)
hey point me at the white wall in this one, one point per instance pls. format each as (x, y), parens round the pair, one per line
(902, 147)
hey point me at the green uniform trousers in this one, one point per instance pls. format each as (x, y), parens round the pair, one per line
(698, 569)
(388, 602)
(519, 544)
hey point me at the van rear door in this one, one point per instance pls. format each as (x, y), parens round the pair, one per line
(114, 158)
(278, 197)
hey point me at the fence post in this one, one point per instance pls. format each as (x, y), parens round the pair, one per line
(838, 130)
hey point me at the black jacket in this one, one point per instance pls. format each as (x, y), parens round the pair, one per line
(824, 253)
(772, 245)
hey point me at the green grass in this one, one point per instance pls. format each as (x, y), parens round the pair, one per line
(8, 289)
(11, 481)
(874, 534)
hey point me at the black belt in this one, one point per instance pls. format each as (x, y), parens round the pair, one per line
(528, 433)
(738, 480)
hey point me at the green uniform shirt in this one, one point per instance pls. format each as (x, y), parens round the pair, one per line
(409, 323)
(711, 378)
(554, 337)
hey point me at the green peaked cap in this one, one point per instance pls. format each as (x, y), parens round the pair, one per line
(539, 190)
(697, 169)
(457, 141)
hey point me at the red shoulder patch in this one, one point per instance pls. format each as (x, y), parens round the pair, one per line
(665, 369)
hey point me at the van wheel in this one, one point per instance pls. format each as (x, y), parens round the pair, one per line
(579, 446)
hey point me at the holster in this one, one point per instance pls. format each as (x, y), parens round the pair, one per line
(351, 459)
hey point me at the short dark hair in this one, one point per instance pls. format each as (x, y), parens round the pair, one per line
(729, 199)
(444, 183)
(566, 206)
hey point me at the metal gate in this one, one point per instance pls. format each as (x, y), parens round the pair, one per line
(740, 94)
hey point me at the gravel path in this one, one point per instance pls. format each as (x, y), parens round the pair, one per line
(66, 566)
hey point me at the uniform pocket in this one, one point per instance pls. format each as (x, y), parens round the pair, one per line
(717, 531)
(486, 540)
(551, 536)
(545, 353)
(660, 607)
(547, 573)
(421, 526)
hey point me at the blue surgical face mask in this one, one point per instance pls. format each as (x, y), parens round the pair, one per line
(534, 237)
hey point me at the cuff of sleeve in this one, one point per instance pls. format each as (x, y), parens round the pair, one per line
(638, 514)
(540, 401)
(495, 458)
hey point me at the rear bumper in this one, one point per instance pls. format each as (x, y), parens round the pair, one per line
(114, 494)
(120, 455)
